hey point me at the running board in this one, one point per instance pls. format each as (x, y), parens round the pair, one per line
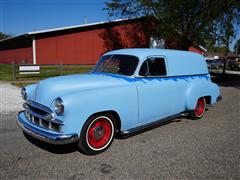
(146, 127)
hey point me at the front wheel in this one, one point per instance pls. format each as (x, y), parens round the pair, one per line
(199, 110)
(97, 134)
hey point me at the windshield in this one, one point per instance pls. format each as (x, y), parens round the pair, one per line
(117, 64)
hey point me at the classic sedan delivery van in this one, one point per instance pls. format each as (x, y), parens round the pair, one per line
(128, 91)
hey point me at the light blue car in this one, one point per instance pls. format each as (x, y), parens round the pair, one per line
(128, 91)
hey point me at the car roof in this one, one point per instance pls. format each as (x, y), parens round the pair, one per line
(178, 62)
(142, 53)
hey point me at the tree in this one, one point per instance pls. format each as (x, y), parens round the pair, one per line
(129, 35)
(219, 49)
(237, 47)
(4, 36)
(112, 39)
(188, 22)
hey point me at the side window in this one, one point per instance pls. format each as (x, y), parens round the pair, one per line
(157, 67)
(153, 67)
(144, 69)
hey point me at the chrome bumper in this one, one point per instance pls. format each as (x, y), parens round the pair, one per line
(46, 136)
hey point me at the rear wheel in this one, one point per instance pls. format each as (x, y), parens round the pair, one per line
(97, 134)
(199, 110)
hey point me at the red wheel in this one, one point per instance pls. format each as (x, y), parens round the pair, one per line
(97, 134)
(199, 109)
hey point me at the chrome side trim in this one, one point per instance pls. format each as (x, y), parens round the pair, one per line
(52, 138)
(143, 128)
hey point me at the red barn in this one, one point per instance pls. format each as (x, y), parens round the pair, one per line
(82, 44)
(193, 49)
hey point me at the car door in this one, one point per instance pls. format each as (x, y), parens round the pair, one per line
(154, 90)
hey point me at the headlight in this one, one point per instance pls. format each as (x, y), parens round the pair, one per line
(24, 93)
(58, 106)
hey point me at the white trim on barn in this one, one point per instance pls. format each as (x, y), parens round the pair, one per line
(34, 51)
(204, 49)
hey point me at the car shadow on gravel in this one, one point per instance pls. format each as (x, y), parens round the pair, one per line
(56, 149)
(226, 80)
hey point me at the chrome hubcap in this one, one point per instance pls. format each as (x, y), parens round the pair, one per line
(99, 132)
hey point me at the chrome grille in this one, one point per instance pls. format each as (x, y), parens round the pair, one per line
(39, 117)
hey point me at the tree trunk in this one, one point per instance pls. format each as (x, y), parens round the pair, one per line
(224, 64)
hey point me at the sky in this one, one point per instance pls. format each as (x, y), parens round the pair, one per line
(21, 16)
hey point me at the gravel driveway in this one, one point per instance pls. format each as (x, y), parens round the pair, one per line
(10, 98)
(184, 149)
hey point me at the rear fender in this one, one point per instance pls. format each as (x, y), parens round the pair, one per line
(197, 90)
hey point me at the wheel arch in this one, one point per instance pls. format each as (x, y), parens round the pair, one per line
(117, 119)
(196, 91)
(208, 99)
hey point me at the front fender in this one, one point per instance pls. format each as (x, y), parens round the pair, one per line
(79, 106)
(30, 89)
(197, 90)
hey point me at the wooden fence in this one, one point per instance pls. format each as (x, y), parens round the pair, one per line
(21, 72)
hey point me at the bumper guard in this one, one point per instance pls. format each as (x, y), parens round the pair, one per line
(46, 136)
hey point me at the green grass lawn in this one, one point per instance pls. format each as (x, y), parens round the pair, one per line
(6, 73)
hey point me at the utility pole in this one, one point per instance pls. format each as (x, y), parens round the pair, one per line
(85, 20)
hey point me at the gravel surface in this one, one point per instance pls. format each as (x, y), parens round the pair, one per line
(10, 98)
(184, 149)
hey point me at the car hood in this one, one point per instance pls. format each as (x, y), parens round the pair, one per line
(49, 89)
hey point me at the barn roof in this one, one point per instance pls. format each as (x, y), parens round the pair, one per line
(80, 26)
(26, 38)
